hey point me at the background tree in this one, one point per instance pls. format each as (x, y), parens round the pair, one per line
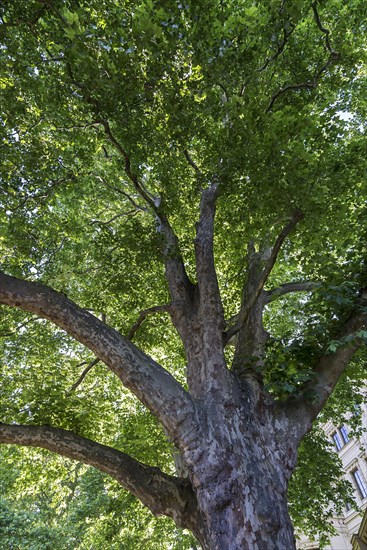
(126, 130)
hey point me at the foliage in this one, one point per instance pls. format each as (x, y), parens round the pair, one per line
(49, 502)
(318, 494)
(254, 93)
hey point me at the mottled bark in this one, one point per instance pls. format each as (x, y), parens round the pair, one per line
(239, 466)
(207, 372)
(250, 333)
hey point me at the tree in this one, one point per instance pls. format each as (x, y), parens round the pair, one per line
(127, 131)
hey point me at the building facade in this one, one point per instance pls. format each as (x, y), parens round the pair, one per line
(351, 527)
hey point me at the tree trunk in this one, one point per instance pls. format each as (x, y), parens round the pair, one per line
(246, 509)
(240, 477)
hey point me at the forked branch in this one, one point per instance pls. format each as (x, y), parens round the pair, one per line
(251, 299)
(313, 83)
(179, 284)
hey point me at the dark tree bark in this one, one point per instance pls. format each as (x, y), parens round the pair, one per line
(238, 446)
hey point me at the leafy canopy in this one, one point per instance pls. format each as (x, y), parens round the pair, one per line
(266, 96)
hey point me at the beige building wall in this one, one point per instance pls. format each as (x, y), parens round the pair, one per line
(352, 453)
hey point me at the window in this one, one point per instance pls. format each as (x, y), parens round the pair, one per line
(360, 483)
(340, 437)
(337, 441)
(344, 433)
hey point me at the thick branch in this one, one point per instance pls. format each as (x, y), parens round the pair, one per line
(232, 324)
(306, 286)
(248, 359)
(210, 301)
(207, 371)
(161, 493)
(251, 336)
(150, 382)
(328, 369)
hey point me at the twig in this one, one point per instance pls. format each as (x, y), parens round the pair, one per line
(142, 316)
(191, 162)
(45, 193)
(84, 373)
(279, 51)
(120, 215)
(128, 169)
(122, 192)
(22, 325)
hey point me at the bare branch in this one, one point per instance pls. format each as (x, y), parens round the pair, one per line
(280, 48)
(191, 162)
(161, 493)
(149, 381)
(305, 286)
(142, 316)
(84, 374)
(329, 47)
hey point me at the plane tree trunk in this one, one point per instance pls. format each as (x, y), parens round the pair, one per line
(239, 472)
